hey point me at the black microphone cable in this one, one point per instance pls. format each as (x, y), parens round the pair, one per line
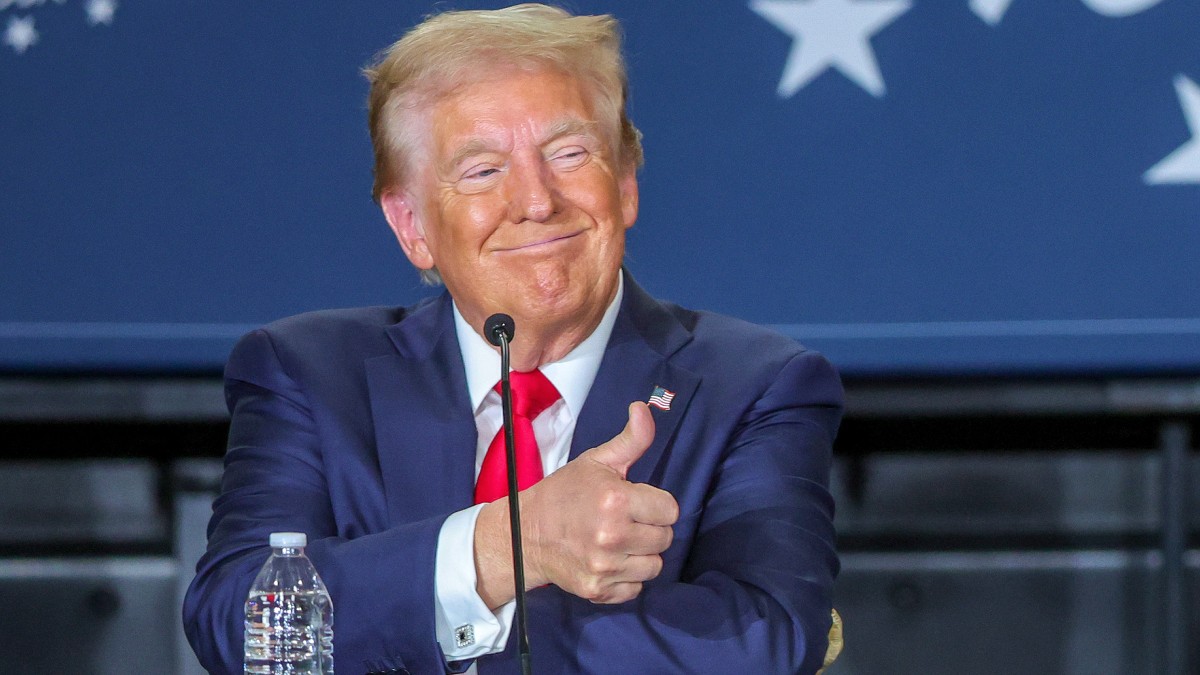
(499, 330)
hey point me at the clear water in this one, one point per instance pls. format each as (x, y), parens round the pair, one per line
(289, 633)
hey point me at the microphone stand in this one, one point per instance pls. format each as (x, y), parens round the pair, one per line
(514, 508)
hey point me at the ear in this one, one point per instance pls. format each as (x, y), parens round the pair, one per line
(628, 187)
(406, 224)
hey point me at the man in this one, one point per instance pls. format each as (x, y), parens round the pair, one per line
(692, 537)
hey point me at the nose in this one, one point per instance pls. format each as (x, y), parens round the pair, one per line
(531, 192)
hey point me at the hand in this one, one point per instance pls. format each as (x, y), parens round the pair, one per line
(585, 528)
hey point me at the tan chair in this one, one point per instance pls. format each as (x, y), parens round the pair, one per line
(835, 642)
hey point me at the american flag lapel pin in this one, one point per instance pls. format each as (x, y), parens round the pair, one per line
(661, 398)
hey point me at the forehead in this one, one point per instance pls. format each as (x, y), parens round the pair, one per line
(509, 106)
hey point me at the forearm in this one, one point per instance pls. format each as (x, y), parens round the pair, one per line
(495, 581)
(712, 625)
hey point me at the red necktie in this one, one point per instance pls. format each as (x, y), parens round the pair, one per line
(532, 393)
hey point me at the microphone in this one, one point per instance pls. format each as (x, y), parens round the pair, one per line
(497, 325)
(499, 330)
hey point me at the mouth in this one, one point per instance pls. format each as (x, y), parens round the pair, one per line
(541, 243)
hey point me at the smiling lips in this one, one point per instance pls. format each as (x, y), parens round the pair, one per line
(543, 242)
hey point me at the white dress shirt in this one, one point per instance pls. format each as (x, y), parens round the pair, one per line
(466, 628)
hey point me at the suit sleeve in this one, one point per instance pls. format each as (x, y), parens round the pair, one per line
(274, 481)
(754, 593)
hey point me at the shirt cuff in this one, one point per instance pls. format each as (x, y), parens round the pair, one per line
(466, 627)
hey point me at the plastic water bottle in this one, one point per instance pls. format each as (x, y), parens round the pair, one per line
(289, 616)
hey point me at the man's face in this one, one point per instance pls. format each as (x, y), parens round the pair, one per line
(521, 204)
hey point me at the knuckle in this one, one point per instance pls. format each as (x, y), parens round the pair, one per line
(613, 501)
(591, 589)
(606, 538)
(599, 566)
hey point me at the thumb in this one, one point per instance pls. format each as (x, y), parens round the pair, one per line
(626, 447)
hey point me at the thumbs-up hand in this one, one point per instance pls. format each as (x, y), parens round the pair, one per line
(592, 533)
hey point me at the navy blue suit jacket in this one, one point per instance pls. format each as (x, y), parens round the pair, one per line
(354, 426)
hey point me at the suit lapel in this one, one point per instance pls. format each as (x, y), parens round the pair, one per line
(424, 426)
(637, 359)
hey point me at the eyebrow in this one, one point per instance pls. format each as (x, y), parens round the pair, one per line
(474, 146)
(570, 126)
(567, 126)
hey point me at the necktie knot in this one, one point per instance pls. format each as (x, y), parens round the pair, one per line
(532, 393)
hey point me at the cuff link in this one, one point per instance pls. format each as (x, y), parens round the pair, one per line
(464, 636)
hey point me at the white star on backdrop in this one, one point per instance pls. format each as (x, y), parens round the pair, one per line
(25, 4)
(100, 11)
(1119, 8)
(1183, 165)
(831, 34)
(991, 11)
(21, 34)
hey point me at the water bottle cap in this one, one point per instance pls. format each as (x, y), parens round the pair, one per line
(289, 540)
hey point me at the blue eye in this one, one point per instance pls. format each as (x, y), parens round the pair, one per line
(571, 156)
(481, 173)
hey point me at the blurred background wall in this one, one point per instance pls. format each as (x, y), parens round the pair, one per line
(985, 212)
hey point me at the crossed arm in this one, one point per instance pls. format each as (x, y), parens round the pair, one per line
(745, 585)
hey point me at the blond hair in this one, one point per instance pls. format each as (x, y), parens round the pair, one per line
(451, 49)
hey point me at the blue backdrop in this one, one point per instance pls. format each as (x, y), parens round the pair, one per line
(911, 186)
